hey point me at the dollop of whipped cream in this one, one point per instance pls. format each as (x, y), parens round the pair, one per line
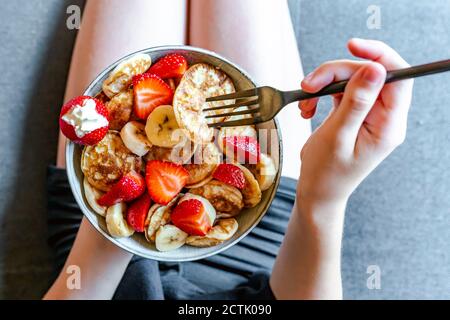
(85, 118)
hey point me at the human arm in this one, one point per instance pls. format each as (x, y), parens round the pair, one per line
(365, 125)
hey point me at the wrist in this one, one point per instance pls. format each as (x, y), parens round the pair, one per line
(322, 213)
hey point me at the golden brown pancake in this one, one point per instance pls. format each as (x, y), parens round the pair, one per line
(199, 82)
(178, 154)
(105, 163)
(119, 109)
(205, 160)
(226, 199)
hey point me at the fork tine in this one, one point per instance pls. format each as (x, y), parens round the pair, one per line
(238, 104)
(237, 113)
(237, 95)
(235, 123)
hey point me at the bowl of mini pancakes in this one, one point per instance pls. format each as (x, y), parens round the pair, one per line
(92, 170)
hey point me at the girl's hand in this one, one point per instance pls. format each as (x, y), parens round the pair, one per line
(365, 125)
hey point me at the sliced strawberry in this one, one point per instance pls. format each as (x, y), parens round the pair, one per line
(164, 180)
(191, 217)
(128, 188)
(244, 149)
(230, 174)
(77, 123)
(137, 212)
(150, 91)
(170, 66)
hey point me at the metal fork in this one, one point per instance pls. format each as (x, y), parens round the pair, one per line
(265, 102)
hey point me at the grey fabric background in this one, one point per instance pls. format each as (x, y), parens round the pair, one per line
(398, 219)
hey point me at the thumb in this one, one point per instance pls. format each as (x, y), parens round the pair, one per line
(360, 95)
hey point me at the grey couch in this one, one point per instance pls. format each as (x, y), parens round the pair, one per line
(398, 219)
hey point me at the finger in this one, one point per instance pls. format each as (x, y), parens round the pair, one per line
(377, 51)
(360, 95)
(337, 98)
(330, 72)
(309, 114)
(308, 105)
(399, 93)
(324, 75)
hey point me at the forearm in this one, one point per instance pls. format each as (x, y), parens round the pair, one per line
(308, 264)
(101, 265)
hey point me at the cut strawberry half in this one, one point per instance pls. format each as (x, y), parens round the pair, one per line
(150, 91)
(243, 149)
(137, 212)
(164, 180)
(84, 120)
(230, 174)
(170, 66)
(128, 188)
(191, 217)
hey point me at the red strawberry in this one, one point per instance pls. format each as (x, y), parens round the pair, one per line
(76, 127)
(150, 91)
(128, 188)
(170, 66)
(231, 174)
(137, 212)
(191, 217)
(245, 149)
(164, 180)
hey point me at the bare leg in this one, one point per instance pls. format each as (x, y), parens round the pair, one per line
(110, 29)
(258, 35)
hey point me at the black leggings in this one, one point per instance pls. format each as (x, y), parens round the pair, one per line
(241, 272)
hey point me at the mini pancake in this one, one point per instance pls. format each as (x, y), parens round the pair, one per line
(226, 199)
(180, 154)
(199, 82)
(202, 165)
(105, 163)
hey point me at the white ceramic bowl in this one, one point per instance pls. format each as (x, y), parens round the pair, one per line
(137, 244)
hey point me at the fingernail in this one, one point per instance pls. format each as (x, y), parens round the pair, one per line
(372, 74)
(309, 77)
(357, 39)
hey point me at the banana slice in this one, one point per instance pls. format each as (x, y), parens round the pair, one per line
(169, 238)
(222, 231)
(115, 221)
(199, 82)
(120, 78)
(162, 128)
(134, 138)
(92, 195)
(206, 204)
(251, 192)
(158, 216)
(265, 171)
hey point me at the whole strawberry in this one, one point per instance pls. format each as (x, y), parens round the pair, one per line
(171, 66)
(84, 120)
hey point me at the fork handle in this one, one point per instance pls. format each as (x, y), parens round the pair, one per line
(391, 76)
